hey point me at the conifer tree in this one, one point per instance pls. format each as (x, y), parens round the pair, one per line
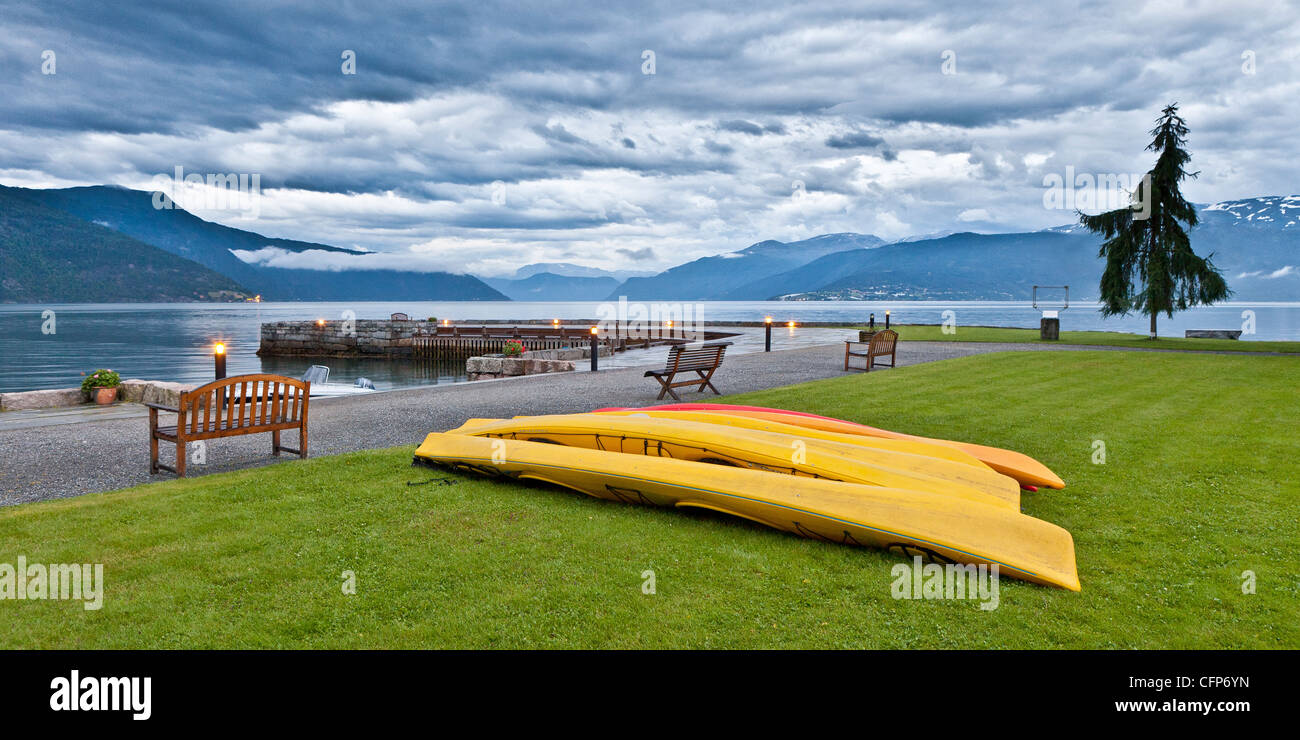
(1150, 265)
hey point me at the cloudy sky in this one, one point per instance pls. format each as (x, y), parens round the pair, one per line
(481, 135)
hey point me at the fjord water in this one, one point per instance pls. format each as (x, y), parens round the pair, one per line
(173, 341)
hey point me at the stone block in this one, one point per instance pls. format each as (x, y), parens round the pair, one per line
(47, 399)
(165, 393)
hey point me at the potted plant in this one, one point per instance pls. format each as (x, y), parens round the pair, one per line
(101, 386)
(514, 348)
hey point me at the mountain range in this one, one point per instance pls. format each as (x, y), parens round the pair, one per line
(1254, 241)
(712, 278)
(105, 243)
(47, 255)
(96, 210)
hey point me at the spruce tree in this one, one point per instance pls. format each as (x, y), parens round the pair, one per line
(1150, 265)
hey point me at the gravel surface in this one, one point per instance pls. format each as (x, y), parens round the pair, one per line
(64, 460)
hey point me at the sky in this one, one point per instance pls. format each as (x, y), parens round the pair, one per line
(481, 136)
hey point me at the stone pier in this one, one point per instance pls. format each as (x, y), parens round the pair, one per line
(340, 338)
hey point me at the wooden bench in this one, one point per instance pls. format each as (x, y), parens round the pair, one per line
(702, 359)
(243, 404)
(399, 317)
(881, 344)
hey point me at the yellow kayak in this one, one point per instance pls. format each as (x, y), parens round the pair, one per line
(735, 421)
(760, 450)
(945, 527)
(1018, 465)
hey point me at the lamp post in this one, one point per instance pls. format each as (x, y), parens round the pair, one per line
(886, 320)
(767, 330)
(219, 367)
(872, 326)
(595, 350)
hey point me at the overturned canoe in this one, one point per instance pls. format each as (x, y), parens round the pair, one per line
(734, 421)
(761, 450)
(912, 522)
(1020, 466)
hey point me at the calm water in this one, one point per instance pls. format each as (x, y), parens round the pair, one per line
(174, 341)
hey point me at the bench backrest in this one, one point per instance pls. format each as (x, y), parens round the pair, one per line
(243, 402)
(695, 356)
(399, 317)
(882, 343)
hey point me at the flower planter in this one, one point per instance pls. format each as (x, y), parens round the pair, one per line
(104, 396)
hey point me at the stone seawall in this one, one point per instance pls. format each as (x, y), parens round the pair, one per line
(488, 367)
(339, 338)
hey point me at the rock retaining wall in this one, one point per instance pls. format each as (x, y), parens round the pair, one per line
(487, 367)
(339, 338)
(130, 391)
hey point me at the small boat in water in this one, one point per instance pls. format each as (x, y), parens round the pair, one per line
(319, 376)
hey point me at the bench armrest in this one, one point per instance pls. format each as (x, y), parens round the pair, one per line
(160, 407)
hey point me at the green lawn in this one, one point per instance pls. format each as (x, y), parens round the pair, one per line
(1199, 485)
(934, 333)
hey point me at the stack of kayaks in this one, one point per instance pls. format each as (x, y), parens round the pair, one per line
(813, 476)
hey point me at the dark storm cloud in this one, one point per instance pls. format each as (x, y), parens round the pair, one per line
(854, 140)
(638, 255)
(893, 117)
(743, 127)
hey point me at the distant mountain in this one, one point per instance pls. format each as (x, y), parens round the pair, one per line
(47, 255)
(180, 232)
(1254, 241)
(714, 278)
(546, 286)
(962, 266)
(567, 269)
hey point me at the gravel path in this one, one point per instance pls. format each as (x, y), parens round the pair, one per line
(63, 460)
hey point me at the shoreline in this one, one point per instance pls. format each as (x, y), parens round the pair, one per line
(61, 460)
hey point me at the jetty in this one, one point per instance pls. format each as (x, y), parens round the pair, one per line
(432, 340)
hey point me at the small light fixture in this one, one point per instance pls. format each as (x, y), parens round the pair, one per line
(320, 322)
(767, 319)
(595, 330)
(790, 324)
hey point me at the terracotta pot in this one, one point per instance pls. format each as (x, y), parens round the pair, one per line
(105, 396)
